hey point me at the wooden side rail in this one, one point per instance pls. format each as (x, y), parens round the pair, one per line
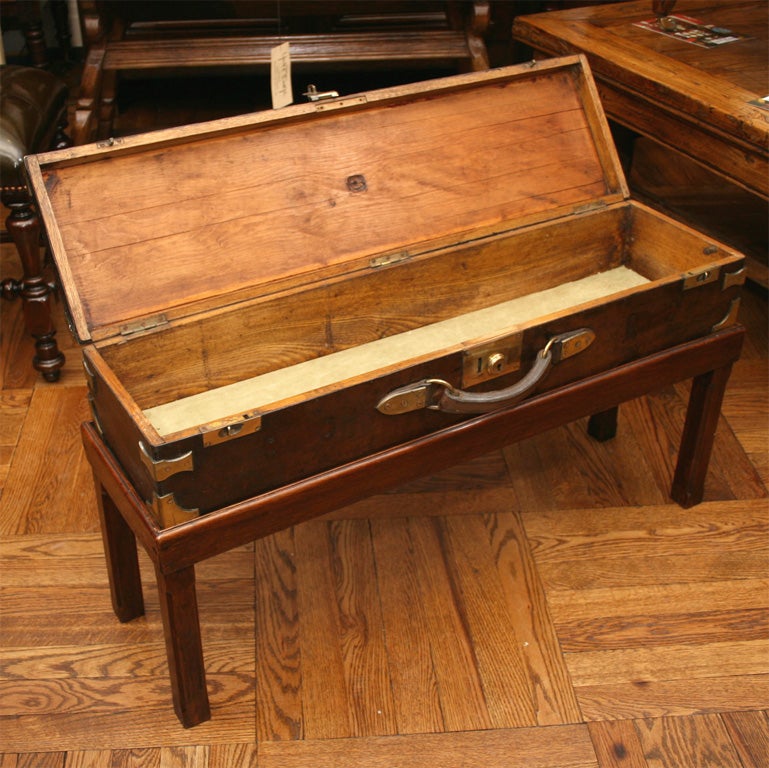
(446, 46)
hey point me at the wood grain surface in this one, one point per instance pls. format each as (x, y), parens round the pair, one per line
(541, 606)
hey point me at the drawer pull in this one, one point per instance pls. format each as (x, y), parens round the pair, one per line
(437, 394)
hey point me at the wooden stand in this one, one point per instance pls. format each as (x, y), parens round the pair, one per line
(175, 551)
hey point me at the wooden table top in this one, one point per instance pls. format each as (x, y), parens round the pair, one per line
(695, 99)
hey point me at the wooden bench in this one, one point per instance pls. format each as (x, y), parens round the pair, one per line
(344, 33)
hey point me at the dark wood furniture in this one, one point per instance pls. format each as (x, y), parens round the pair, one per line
(126, 519)
(32, 119)
(693, 100)
(28, 16)
(395, 272)
(170, 36)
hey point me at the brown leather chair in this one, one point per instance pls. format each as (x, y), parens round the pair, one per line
(32, 119)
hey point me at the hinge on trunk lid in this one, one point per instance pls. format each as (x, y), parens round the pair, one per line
(143, 325)
(390, 258)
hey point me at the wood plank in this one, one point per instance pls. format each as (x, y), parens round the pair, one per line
(749, 732)
(132, 658)
(242, 755)
(705, 566)
(746, 404)
(41, 760)
(659, 600)
(51, 490)
(666, 698)
(324, 692)
(98, 758)
(460, 687)
(134, 724)
(568, 534)
(278, 653)
(504, 674)
(565, 746)
(14, 404)
(616, 744)
(669, 662)
(633, 630)
(360, 620)
(552, 692)
(670, 742)
(184, 757)
(409, 645)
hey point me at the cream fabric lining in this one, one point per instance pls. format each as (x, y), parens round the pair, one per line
(261, 391)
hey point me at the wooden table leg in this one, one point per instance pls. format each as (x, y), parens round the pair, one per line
(181, 627)
(23, 225)
(122, 559)
(702, 416)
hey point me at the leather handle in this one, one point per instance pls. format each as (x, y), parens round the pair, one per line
(439, 395)
(460, 401)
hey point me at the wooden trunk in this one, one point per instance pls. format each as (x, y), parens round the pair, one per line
(289, 310)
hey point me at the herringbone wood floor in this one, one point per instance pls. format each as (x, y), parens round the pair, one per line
(545, 606)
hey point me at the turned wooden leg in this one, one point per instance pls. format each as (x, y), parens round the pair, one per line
(122, 559)
(699, 433)
(179, 609)
(603, 426)
(23, 225)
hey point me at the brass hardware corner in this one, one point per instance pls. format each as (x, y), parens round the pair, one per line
(734, 278)
(162, 469)
(89, 374)
(167, 512)
(730, 318)
(95, 415)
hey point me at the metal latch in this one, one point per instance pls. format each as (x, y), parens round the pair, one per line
(313, 94)
(229, 429)
(491, 360)
(698, 277)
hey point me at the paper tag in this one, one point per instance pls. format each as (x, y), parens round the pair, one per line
(280, 76)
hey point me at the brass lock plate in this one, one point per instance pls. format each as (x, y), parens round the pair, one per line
(491, 360)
